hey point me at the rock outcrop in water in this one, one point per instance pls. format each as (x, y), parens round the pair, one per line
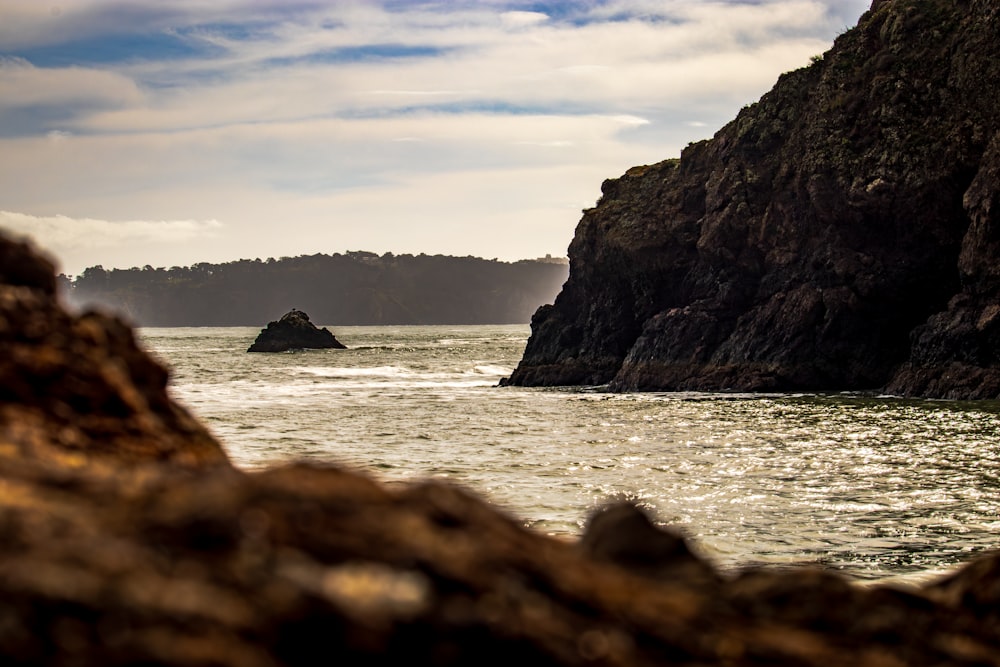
(294, 331)
(128, 538)
(841, 233)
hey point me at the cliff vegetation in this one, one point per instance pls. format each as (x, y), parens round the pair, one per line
(355, 288)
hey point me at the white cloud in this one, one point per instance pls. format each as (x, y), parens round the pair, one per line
(519, 19)
(29, 23)
(705, 50)
(62, 171)
(500, 186)
(24, 85)
(617, 66)
(72, 239)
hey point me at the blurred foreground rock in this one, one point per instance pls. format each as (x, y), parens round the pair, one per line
(126, 537)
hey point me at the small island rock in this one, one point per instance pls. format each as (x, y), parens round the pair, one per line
(294, 331)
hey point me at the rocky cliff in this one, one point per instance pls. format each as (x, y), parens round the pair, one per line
(127, 538)
(841, 233)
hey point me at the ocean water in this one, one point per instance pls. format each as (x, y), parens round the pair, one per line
(872, 486)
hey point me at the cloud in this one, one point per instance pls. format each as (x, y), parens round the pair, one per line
(31, 24)
(521, 19)
(24, 85)
(300, 67)
(502, 186)
(98, 173)
(70, 238)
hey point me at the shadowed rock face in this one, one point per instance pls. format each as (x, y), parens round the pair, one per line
(841, 233)
(294, 331)
(127, 538)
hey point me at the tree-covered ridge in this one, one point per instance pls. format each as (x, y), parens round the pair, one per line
(354, 288)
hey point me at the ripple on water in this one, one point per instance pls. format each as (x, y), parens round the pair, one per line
(873, 486)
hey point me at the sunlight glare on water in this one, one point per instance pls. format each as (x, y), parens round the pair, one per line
(873, 486)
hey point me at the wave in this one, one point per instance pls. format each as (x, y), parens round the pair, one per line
(396, 372)
(487, 369)
(354, 371)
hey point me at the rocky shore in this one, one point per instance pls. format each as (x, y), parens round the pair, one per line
(839, 234)
(128, 538)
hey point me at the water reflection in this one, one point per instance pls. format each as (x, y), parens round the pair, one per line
(870, 485)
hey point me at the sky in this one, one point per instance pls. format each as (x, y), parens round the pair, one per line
(174, 132)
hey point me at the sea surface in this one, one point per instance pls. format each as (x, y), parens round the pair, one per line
(872, 486)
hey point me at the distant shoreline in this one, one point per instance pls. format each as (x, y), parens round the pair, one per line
(353, 289)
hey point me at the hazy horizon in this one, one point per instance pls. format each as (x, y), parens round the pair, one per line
(181, 132)
(546, 259)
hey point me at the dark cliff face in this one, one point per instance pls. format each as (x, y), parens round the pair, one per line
(841, 233)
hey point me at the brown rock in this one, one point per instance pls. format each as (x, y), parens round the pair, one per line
(623, 534)
(78, 389)
(126, 538)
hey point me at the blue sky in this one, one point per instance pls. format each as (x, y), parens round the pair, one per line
(180, 131)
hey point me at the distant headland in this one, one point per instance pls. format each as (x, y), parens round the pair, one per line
(354, 288)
